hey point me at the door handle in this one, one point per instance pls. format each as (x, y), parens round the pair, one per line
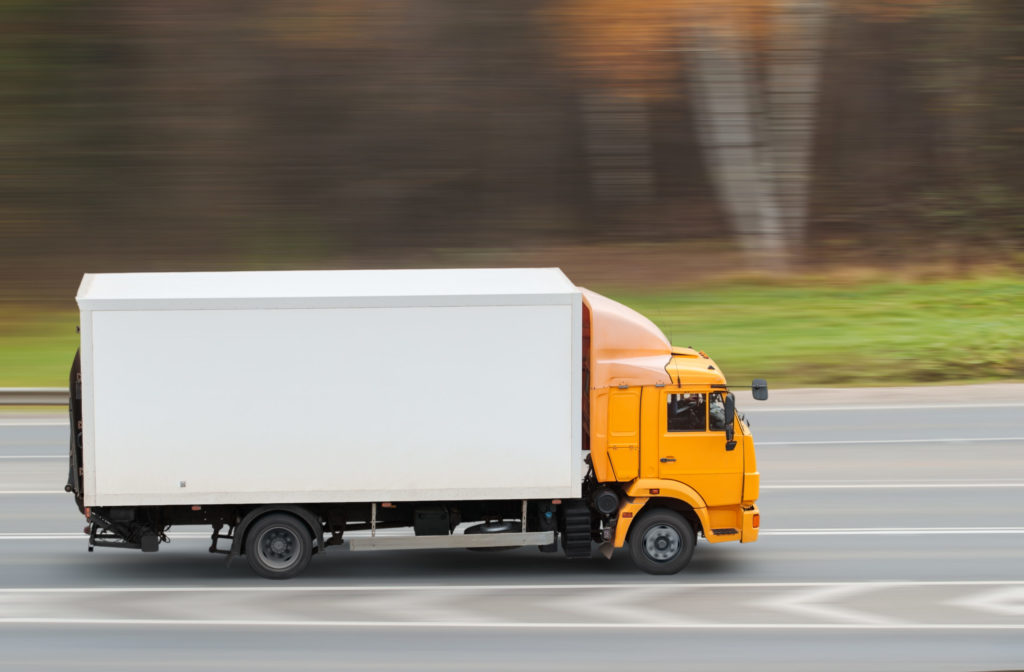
(668, 459)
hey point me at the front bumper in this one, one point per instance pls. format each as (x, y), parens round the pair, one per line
(751, 524)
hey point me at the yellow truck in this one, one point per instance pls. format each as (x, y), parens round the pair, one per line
(295, 411)
(670, 455)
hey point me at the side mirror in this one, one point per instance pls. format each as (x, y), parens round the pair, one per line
(760, 389)
(730, 416)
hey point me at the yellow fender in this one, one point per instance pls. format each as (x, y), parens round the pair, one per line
(639, 493)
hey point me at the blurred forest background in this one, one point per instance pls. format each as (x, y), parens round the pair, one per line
(637, 145)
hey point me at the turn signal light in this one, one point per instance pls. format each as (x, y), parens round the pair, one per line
(87, 512)
(655, 491)
(757, 520)
(627, 514)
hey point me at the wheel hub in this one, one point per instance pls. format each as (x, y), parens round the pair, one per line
(278, 548)
(662, 543)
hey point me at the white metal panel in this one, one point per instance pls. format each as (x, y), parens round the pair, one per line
(324, 289)
(334, 404)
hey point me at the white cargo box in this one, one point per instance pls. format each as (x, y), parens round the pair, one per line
(330, 386)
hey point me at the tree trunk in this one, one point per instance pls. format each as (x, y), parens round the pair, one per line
(793, 84)
(728, 113)
(758, 144)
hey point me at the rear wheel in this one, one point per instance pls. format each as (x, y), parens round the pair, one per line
(278, 546)
(661, 542)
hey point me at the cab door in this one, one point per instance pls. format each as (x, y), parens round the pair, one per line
(624, 433)
(692, 447)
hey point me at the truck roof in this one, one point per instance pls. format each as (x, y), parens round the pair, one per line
(269, 289)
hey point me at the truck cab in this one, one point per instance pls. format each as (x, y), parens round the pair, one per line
(666, 446)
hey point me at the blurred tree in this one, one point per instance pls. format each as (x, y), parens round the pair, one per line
(757, 130)
(620, 51)
(145, 135)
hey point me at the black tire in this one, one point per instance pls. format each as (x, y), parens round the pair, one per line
(278, 546)
(661, 542)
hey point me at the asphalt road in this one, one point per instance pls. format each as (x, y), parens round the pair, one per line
(891, 539)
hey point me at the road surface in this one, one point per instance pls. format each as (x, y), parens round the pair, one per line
(892, 540)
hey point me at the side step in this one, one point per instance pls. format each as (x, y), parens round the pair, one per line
(576, 536)
(451, 541)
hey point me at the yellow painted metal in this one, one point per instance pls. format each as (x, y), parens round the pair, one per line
(751, 486)
(599, 436)
(624, 348)
(751, 476)
(749, 532)
(630, 370)
(625, 462)
(700, 459)
(650, 403)
(724, 518)
(630, 507)
(672, 490)
(624, 433)
(690, 369)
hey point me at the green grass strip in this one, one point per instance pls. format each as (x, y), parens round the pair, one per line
(969, 330)
(818, 333)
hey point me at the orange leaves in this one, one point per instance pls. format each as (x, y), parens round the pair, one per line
(896, 10)
(622, 41)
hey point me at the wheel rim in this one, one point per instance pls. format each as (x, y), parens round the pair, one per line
(662, 543)
(278, 548)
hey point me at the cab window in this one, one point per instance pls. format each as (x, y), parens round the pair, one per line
(687, 412)
(716, 412)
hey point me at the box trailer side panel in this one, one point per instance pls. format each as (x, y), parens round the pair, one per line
(335, 404)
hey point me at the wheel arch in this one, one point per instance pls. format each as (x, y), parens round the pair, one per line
(679, 506)
(672, 495)
(300, 512)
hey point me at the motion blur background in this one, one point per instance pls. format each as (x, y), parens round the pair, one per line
(800, 184)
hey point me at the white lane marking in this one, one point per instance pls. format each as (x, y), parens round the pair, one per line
(819, 603)
(755, 409)
(854, 442)
(516, 625)
(42, 422)
(839, 531)
(883, 485)
(1006, 601)
(512, 586)
(433, 606)
(814, 599)
(640, 605)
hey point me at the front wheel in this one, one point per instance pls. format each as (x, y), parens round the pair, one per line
(661, 542)
(278, 546)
